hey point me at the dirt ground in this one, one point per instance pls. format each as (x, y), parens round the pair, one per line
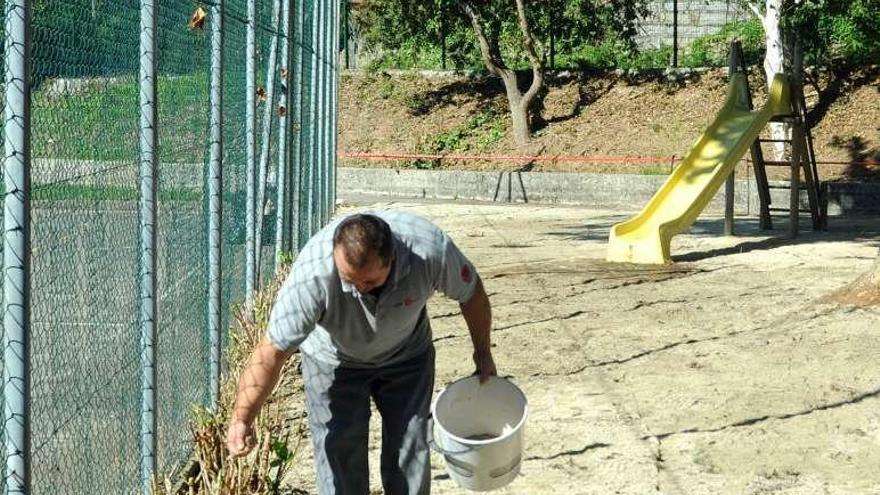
(594, 114)
(724, 373)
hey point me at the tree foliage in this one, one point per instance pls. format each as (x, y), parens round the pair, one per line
(836, 30)
(509, 34)
(411, 26)
(831, 31)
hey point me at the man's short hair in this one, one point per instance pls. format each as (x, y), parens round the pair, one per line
(363, 236)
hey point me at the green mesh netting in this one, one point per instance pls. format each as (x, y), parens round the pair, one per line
(85, 357)
(86, 367)
(182, 357)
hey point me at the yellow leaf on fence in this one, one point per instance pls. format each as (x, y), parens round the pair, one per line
(197, 21)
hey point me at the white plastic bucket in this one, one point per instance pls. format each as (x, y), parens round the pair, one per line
(479, 431)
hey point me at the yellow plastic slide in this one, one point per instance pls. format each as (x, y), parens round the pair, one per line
(645, 238)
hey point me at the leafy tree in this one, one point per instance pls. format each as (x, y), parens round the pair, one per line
(509, 33)
(833, 30)
(827, 31)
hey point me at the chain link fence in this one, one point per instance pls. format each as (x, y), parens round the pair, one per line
(694, 32)
(75, 356)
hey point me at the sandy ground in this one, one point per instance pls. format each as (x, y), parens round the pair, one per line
(723, 373)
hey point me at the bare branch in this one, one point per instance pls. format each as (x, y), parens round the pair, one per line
(531, 52)
(754, 8)
(490, 57)
(528, 38)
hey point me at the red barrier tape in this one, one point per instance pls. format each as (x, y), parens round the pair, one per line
(509, 158)
(871, 163)
(549, 158)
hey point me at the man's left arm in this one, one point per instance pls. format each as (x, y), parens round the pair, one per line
(477, 312)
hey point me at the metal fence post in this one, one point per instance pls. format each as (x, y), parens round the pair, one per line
(334, 114)
(313, 120)
(346, 33)
(328, 105)
(675, 33)
(317, 116)
(250, 151)
(148, 213)
(284, 136)
(326, 117)
(296, 218)
(263, 174)
(17, 248)
(324, 62)
(442, 36)
(215, 202)
(329, 72)
(552, 54)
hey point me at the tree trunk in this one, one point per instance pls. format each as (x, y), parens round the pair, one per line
(537, 64)
(774, 62)
(519, 116)
(520, 102)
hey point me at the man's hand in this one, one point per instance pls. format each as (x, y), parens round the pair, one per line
(477, 314)
(485, 365)
(239, 438)
(259, 377)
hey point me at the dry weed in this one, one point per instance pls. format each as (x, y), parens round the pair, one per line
(213, 471)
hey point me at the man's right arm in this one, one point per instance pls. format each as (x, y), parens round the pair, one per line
(297, 309)
(257, 381)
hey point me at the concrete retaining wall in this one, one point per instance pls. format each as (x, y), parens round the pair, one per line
(625, 191)
(612, 191)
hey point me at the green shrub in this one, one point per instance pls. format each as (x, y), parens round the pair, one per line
(386, 88)
(480, 133)
(848, 40)
(838, 32)
(714, 50)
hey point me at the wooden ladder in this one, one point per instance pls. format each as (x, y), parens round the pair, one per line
(802, 164)
(802, 160)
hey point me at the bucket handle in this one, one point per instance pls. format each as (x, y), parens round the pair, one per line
(438, 448)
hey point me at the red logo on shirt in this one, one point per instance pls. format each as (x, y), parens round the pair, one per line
(466, 273)
(408, 300)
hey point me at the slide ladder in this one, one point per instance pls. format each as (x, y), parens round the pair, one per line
(801, 162)
(799, 145)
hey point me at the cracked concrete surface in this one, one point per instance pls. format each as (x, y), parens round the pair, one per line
(720, 374)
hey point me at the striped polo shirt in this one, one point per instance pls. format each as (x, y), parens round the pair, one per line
(329, 320)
